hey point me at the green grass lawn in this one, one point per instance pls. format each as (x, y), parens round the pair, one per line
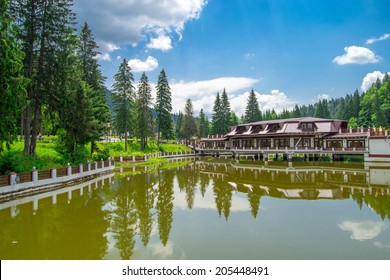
(47, 156)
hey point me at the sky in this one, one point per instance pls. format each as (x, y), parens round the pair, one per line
(288, 52)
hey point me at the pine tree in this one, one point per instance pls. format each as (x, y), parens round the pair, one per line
(225, 112)
(144, 115)
(163, 108)
(47, 33)
(12, 82)
(188, 128)
(252, 111)
(123, 99)
(296, 113)
(203, 124)
(94, 78)
(217, 120)
(179, 125)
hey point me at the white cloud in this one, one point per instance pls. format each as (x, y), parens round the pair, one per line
(381, 38)
(323, 96)
(363, 230)
(371, 78)
(356, 55)
(162, 42)
(131, 22)
(202, 93)
(104, 57)
(276, 100)
(138, 65)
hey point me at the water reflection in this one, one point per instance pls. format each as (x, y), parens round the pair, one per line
(139, 213)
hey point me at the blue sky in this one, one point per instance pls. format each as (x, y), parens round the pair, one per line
(289, 52)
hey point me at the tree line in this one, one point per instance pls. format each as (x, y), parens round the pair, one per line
(51, 82)
(366, 109)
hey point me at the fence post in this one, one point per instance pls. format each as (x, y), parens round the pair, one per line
(102, 162)
(81, 168)
(68, 170)
(34, 175)
(109, 162)
(145, 157)
(89, 166)
(120, 158)
(96, 166)
(133, 159)
(53, 173)
(12, 178)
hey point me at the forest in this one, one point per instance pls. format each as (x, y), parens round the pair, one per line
(51, 83)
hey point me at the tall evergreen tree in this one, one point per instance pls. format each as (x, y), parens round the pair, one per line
(252, 111)
(217, 120)
(123, 94)
(189, 126)
(179, 125)
(225, 112)
(322, 110)
(296, 113)
(12, 82)
(47, 29)
(94, 78)
(163, 108)
(144, 115)
(203, 124)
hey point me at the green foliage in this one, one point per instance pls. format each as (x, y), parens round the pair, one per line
(188, 128)
(123, 95)
(203, 124)
(221, 114)
(101, 152)
(252, 111)
(163, 107)
(144, 123)
(12, 82)
(14, 160)
(179, 125)
(78, 155)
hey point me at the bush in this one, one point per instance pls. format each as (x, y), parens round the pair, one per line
(101, 152)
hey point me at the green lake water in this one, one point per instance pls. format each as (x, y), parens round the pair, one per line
(207, 209)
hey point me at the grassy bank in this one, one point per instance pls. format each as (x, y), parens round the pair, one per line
(48, 155)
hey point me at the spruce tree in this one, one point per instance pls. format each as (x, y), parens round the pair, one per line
(163, 108)
(179, 125)
(296, 113)
(217, 120)
(46, 33)
(252, 111)
(189, 126)
(203, 124)
(122, 96)
(93, 77)
(225, 112)
(144, 123)
(12, 82)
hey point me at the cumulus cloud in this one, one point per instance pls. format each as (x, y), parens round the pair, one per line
(104, 57)
(356, 55)
(381, 38)
(362, 230)
(148, 65)
(130, 22)
(202, 93)
(371, 78)
(276, 100)
(162, 42)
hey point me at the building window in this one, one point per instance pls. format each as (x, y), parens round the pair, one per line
(307, 127)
